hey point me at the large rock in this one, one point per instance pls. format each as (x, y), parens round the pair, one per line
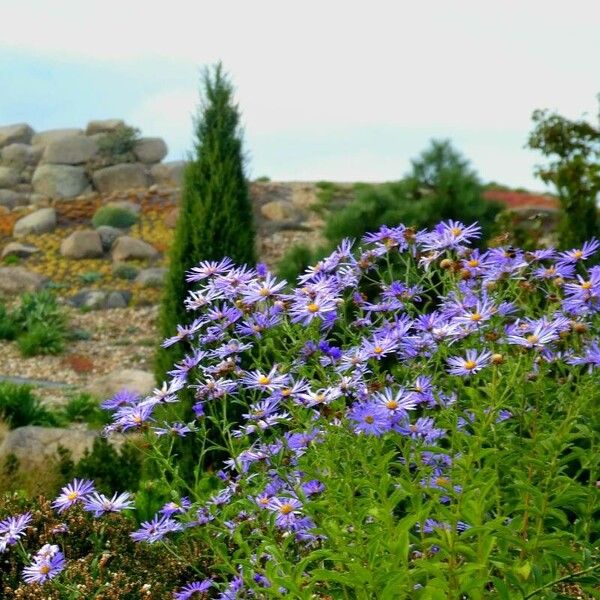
(18, 249)
(108, 235)
(93, 299)
(133, 380)
(127, 248)
(120, 177)
(21, 154)
(82, 244)
(59, 181)
(74, 150)
(16, 280)
(15, 134)
(37, 446)
(278, 210)
(10, 198)
(9, 176)
(103, 126)
(40, 221)
(169, 173)
(150, 150)
(152, 277)
(43, 138)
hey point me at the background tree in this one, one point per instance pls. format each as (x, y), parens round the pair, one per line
(573, 148)
(215, 220)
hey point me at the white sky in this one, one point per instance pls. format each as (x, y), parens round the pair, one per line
(332, 89)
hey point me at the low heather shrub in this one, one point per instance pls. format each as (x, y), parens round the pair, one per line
(420, 421)
(114, 216)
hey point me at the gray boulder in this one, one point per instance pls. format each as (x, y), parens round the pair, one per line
(18, 249)
(82, 244)
(36, 446)
(100, 299)
(108, 235)
(10, 198)
(152, 277)
(103, 126)
(74, 150)
(20, 133)
(169, 173)
(133, 380)
(59, 181)
(150, 150)
(40, 221)
(16, 280)
(121, 177)
(21, 154)
(9, 176)
(43, 138)
(128, 248)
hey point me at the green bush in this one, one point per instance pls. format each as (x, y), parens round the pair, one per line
(84, 408)
(41, 338)
(11, 259)
(8, 327)
(20, 407)
(114, 216)
(125, 271)
(90, 277)
(39, 308)
(119, 143)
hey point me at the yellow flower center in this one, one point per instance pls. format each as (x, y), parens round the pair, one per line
(263, 501)
(73, 495)
(456, 231)
(264, 292)
(286, 392)
(442, 481)
(470, 364)
(578, 254)
(532, 339)
(137, 419)
(313, 308)
(391, 404)
(586, 285)
(286, 509)
(369, 419)
(473, 262)
(378, 349)
(45, 569)
(476, 317)
(264, 380)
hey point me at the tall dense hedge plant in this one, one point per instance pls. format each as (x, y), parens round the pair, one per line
(573, 147)
(215, 217)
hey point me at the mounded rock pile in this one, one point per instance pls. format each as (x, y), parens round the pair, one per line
(70, 163)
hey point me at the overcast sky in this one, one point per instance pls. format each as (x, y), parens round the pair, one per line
(329, 89)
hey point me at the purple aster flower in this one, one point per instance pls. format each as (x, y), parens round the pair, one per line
(173, 508)
(591, 357)
(133, 417)
(155, 530)
(231, 592)
(379, 347)
(370, 417)
(76, 491)
(470, 364)
(208, 269)
(396, 403)
(174, 429)
(305, 310)
(451, 234)
(422, 429)
(270, 382)
(48, 563)
(258, 291)
(287, 510)
(312, 487)
(99, 504)
(579, 254)
(197, 587)
(12, 529)
(538, 335)
(121, 398)
(184, 332)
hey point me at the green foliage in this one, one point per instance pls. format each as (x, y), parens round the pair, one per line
(262, 179)
(295, 261)
(41, 338)
(118, 145)
(216, 217)
(110, 468)
(573, 147)
(90, 277)
(84, 408)
(114, 216)
(440, 186)
(11, 259)
(19, 407)
(8, 327)
(125, 271)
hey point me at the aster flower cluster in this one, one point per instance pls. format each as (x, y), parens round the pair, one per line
(378, 347)
(360, 341)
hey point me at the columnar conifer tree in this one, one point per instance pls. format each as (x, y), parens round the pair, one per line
(215, 218)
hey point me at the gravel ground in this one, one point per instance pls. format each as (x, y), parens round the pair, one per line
(118, 339)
